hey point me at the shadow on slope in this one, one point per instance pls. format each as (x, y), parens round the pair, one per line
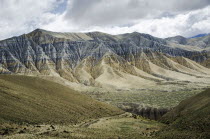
(190, 119)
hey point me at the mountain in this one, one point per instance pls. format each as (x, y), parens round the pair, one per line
(126, 61)
(200, 35)
(203, 42)
(200, 41)
(190, 119)
(137, 72)
(178, 40)
(33, 100)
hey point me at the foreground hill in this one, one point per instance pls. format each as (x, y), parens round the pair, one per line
(190, 119)
(36, 101)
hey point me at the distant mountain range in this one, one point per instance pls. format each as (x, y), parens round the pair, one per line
(200, 35)
(126, 61)
(200, 41)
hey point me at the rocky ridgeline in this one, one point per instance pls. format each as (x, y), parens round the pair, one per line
(69, 54)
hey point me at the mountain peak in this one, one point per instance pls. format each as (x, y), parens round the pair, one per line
(177, 39)
(60, 35)
(178, 36)
(39, 30)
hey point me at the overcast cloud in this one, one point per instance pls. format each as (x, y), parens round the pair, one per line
(161, 18)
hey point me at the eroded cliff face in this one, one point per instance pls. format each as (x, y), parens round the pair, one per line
(97, 59)
(144, 111)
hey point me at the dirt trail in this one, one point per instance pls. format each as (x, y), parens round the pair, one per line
(88, 124)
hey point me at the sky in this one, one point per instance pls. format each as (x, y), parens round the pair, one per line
(160, 18)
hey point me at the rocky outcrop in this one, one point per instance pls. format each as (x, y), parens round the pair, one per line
(144, 111)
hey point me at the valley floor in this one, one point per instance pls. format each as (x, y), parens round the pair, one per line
(163, 95)
(144, 98)
(121, 126)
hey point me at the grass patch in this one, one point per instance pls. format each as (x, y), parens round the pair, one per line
(155, 99)
(33, 100)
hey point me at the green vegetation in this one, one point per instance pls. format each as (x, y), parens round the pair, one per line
(147, 98)
(33, 100)
(190, 119)
(122, 126)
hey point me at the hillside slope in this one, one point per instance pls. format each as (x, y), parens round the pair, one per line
(190, 119)
(34, 100)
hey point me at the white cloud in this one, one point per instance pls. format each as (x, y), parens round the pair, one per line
(159, 18)
(59, 24)
(187, 24)
(20, 16)
(121, 12)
